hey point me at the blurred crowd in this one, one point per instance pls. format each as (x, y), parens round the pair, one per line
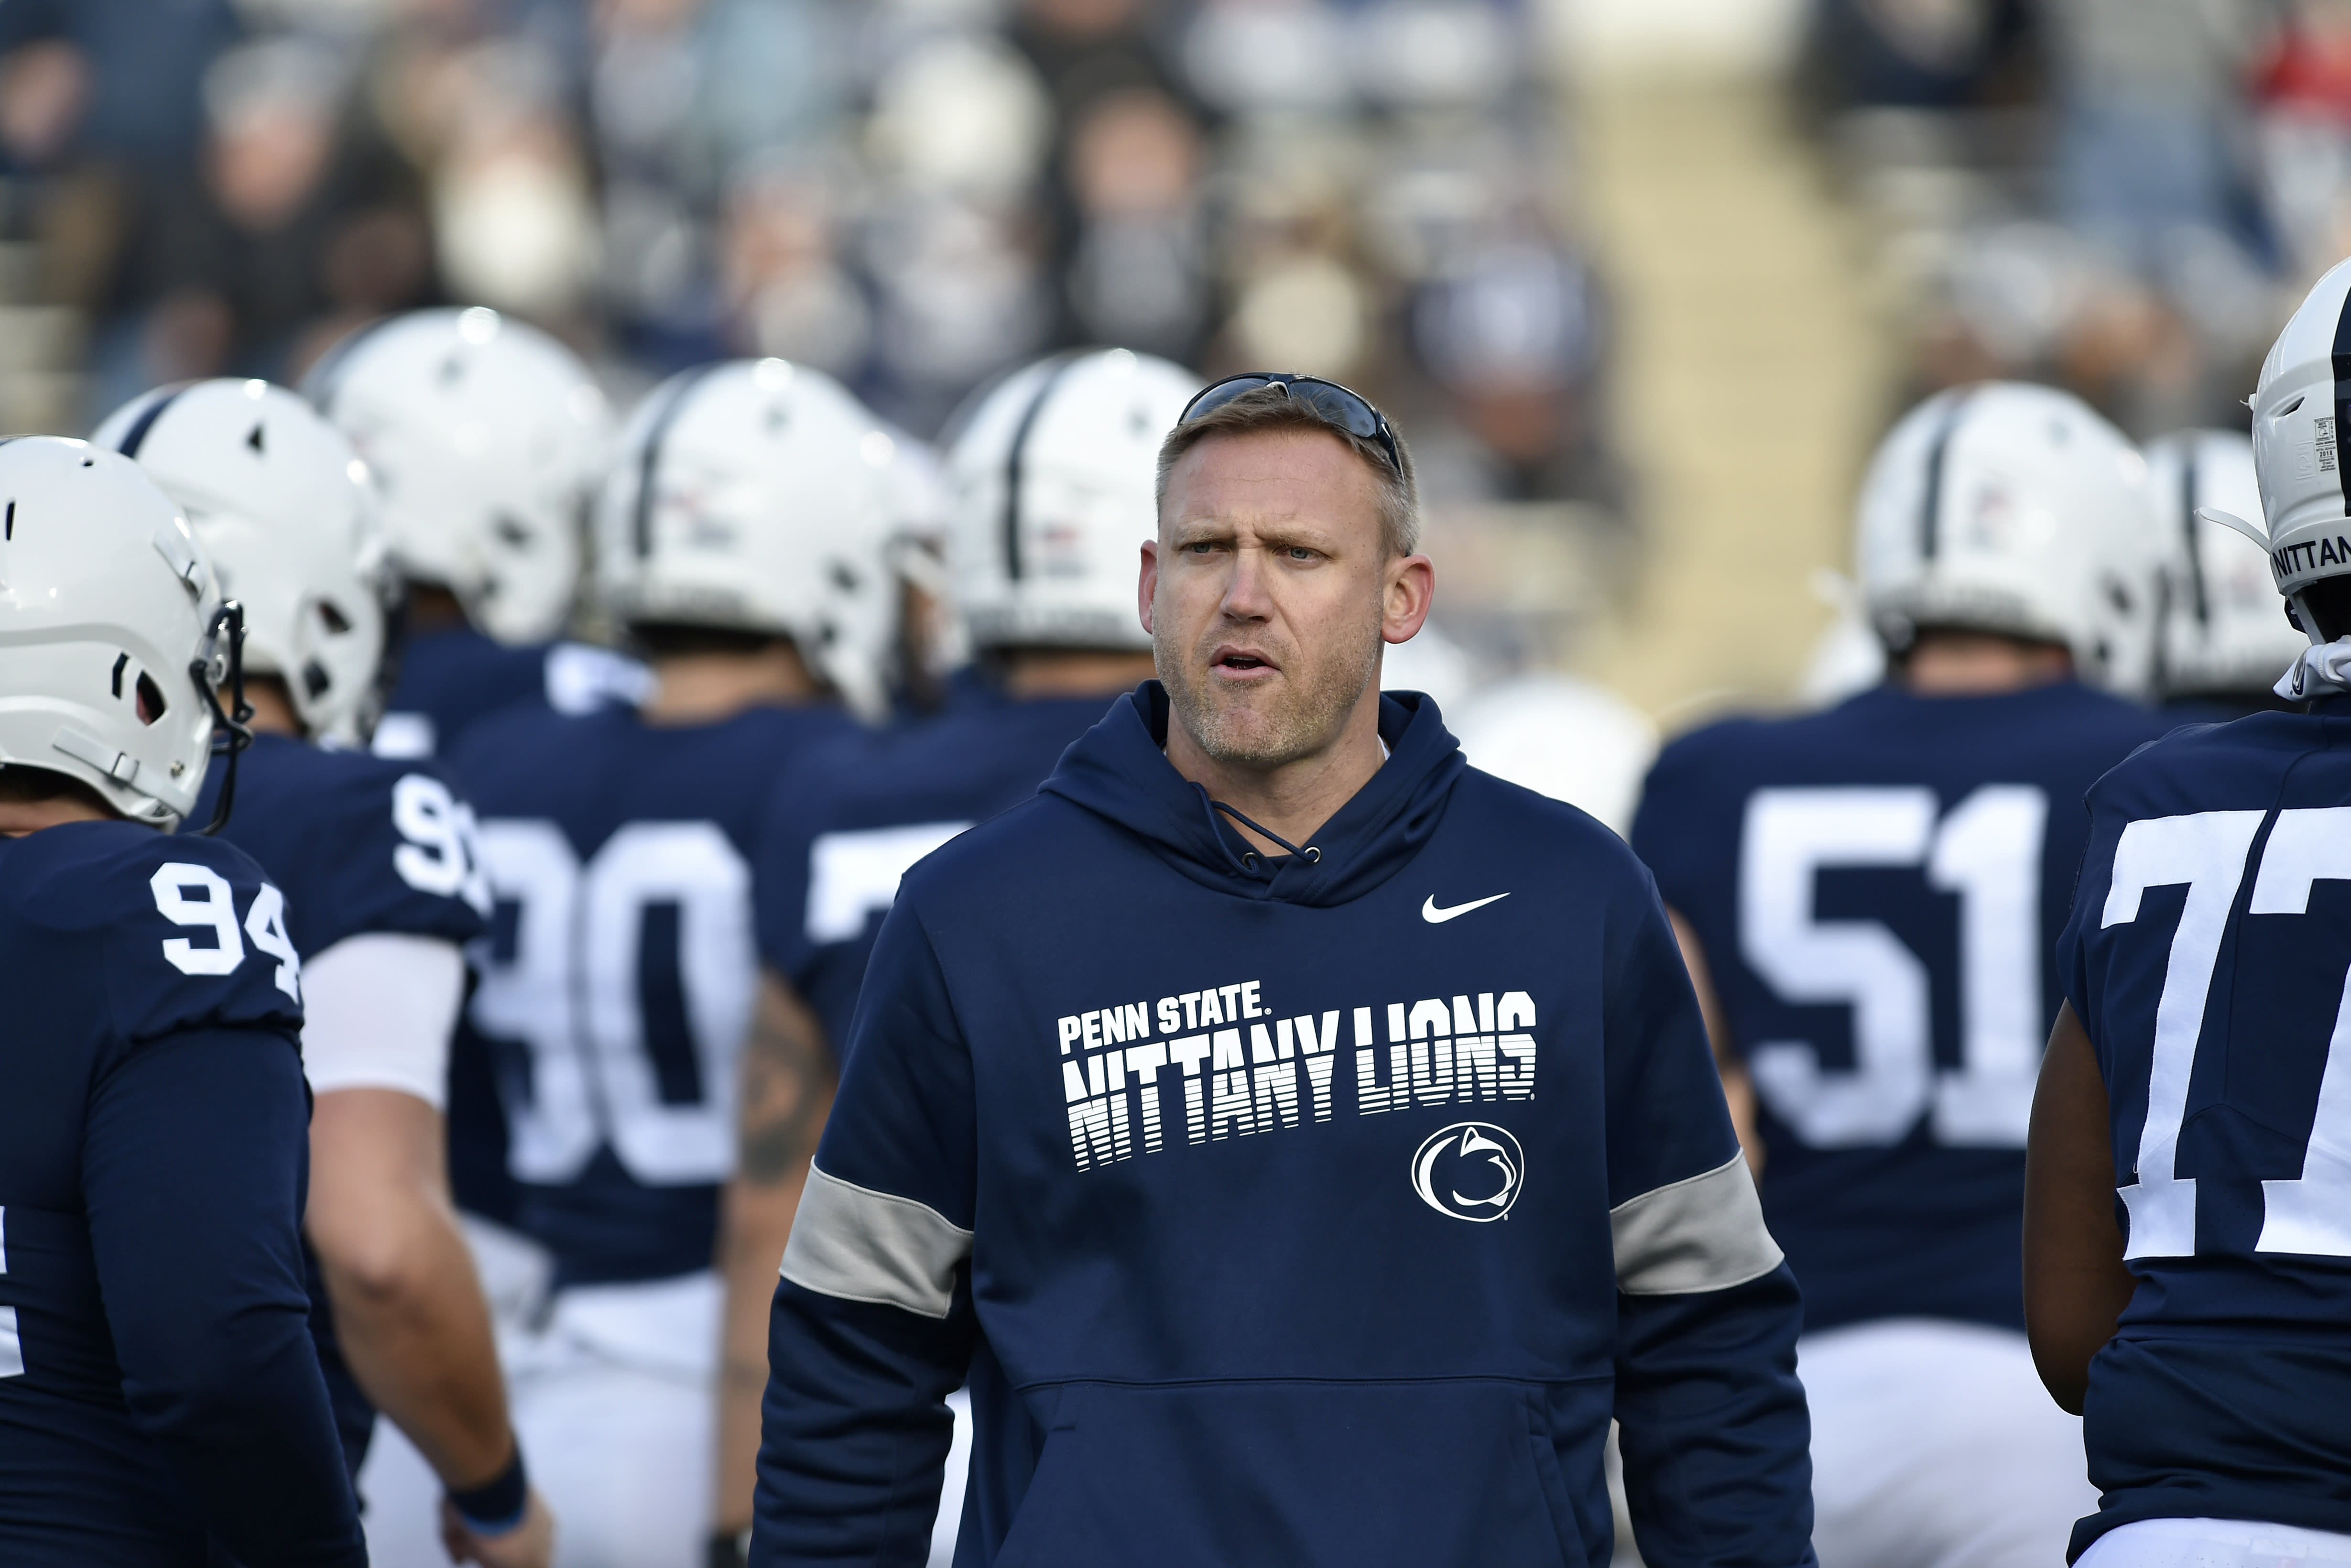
(912, 194)
(2122, 197)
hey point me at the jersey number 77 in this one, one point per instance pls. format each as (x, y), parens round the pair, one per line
(2207, 850)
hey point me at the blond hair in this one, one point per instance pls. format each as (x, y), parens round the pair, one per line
(1271, 407)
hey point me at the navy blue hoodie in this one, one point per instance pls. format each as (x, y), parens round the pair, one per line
(1312, 1209)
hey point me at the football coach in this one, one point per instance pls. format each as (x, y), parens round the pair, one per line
(1303, 1142)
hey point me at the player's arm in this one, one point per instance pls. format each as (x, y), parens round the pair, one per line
(785, 1090)
(1711, 1419)
(408, 1306)
(871, 1326)
(2076, 1284)
(1738, 1086)
(193, 1169)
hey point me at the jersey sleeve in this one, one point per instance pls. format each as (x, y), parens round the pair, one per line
(1675, 828)
(398, 855)
(1712, 1421)
(2091, 886)
(195, 938)
(779, 876)
(380, 1010)
(872, 1326)
(193, 1169)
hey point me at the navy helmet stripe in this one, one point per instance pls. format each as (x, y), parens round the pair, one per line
(1930, 505)
(640, 518)
(136, 436)
(1013, 567)
(2187, 479)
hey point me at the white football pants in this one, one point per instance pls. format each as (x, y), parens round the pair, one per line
(614, 1403)
(1935, 1446)
(2214, 1544)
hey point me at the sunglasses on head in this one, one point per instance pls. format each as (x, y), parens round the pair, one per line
(1337, 405)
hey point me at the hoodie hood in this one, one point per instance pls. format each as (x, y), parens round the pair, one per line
(1119, 771)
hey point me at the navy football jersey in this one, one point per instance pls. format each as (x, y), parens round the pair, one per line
(359, 844)
(451, 680)
(1877, 889)
(2207, 956)
(157, 1382)
(617, 978)
(842, 827)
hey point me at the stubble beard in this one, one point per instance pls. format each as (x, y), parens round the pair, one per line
(1301, 716)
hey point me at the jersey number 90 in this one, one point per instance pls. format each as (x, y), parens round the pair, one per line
(572, 996)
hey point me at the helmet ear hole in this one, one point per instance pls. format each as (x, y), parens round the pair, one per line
(331, 616)
(149, 697)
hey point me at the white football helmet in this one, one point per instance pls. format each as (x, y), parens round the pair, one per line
(1053, 474)
(2299, 450)
(756, 496)
(2017, 509)
(2223, 629)
(485, 437)
(1563, 737)
(284, 513)
(113, 641)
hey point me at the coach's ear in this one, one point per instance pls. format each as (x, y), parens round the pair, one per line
(1149, 586)
(1410, 590)
(2230, 520)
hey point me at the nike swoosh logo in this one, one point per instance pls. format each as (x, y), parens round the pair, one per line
(1436, 916)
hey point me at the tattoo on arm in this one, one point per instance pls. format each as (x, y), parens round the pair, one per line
(788, 1079)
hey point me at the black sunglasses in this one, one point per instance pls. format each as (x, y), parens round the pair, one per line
(1350, 411)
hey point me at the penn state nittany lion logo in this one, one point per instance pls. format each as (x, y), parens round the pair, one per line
(1471, 1170)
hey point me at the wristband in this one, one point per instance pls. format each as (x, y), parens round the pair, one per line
(498, 1505)
(729, 1549)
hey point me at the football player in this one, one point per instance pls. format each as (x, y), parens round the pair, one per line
(1866, 897)
(2187, 1218)
(741, 541)
(159, 1398)
(2224, 638)
(485, 438)
(377, 860)
(1052, 479)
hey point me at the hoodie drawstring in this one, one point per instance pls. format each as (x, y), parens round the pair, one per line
(1311, 854)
